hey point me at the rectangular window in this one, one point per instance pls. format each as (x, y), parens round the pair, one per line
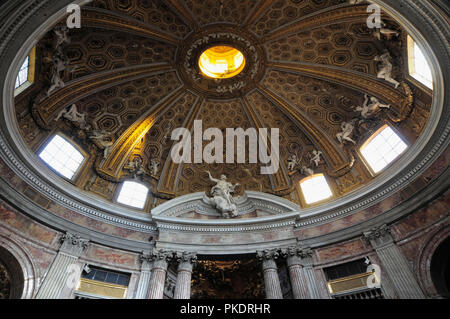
(62, 156)
(25, 77)
(133, 194)
(418, 64)
(382, 148)
(315, 189)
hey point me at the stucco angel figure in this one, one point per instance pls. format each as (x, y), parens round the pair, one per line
(347, 131)
(71, 113)
(315, 157)
(62, 36)
(370, 106)
(154, 165)
(223, 199)
(59, 64)
(104, 139)
(56, 83)
(385, 68)
(135, 167)
(292, 162)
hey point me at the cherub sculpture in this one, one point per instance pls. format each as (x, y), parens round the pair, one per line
(370, 106)
(56, 83)
(292, 162)
(347, 131)
(315, 157)
(71, 113)
(135, 167)
(104, 139)
(154, 164)
(385, 68)
(62, 36)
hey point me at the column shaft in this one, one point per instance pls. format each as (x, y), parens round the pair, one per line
(271, 280)
(299, 288)
(57, 277)
(399, 272)
(183, 286)
(142, 288)
(394, 262)
(157, 280)
(311, 282)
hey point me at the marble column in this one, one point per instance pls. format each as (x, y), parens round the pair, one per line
(394, 263)
(144, 278)
(301, 272)
(270, 271)
(293, 257)
(186, 263)
(159, 270)
(58, 276)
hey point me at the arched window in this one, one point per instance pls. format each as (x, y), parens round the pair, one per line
(315, 188)
(62, 156)
(133, 194)
(382, 148)
(25, 77)
(418, 65)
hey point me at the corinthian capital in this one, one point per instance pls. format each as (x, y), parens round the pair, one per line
(267, 254)
(379, 235)
(73, 244)
(186, 257)
(159, 255)
(296, 251)
(161, 258)
(297, 255)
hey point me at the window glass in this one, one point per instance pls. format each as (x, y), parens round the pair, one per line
(62, 156)
(133, 194)
(315, 188)
(382, 148)
(418, 64)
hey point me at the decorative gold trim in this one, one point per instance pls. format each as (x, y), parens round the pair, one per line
(350, 283)
(124, 146)
(102, 288)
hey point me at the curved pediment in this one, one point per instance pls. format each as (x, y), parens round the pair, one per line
(250, 205)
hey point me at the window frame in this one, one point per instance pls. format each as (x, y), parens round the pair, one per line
(410, 57)
(31, 73)
(83, 164)
(323, 201)
(370, 138)
(119, 190)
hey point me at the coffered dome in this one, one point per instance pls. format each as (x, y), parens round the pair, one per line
(135, 71)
